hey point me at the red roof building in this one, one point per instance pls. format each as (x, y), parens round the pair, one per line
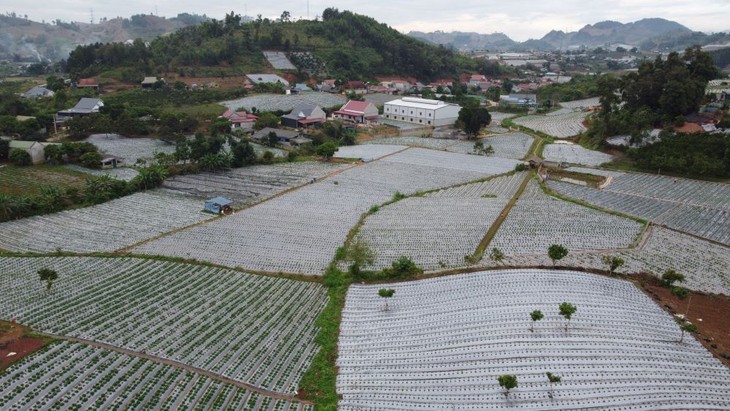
(240, 119)
(357, 111)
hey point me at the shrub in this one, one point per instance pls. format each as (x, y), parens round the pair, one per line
(680, 292)
(20, 157)
(670, 277)
(403, 267)
(521, 167)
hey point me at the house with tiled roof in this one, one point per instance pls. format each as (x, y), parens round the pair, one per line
(38, 92)
(357, 111)
(239, 120)
(304, 115)
(88, 83)
(86, 106)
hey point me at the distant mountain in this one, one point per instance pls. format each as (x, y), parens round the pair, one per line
(648, 34)
(466, 41)
(28, 41)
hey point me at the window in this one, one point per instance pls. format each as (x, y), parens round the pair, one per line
(402, 118)
(429, 114)
(420, 114)
(420, 121)
(429, 121)
(411, 112)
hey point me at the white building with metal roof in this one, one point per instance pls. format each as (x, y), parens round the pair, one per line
(421, 111)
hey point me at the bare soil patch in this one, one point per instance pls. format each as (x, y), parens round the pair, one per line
(17, 342)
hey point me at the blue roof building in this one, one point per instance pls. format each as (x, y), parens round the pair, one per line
(217, 204)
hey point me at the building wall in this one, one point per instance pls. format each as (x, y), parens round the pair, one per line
(437, 116)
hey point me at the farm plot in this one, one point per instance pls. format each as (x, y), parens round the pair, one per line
(76, 376)
(130, 149)
(300, 231)
(250, 184)
(278, 60)
(104, 227)
(443, 342)
(538, 220)
(120, 173)
(559, 126)
(283, 102)
(695, 207)
(16, 180)
(255, 329)
(453, 161)
(498, 117)
(575, 154)
(512, 145)
(595, 171)
(368, 151)
(580, 104)
(502, 187)
(423, 142)
(435, 232)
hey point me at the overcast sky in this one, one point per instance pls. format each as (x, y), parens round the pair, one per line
(519, 19)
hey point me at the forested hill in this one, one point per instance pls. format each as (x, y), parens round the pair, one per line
(347, 46)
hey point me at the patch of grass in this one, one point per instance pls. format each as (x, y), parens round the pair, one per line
(28, 180)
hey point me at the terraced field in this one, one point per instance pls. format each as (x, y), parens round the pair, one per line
(105, 227)
(76, 376)
(575, 154)
(283, 102)
(538, 220)
(254, 329)
(443, 342)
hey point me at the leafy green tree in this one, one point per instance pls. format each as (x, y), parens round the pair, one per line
(53, 153)
(496, 255)
(91, 159)
(20, 157)
(243, 154)
(272, 139)
(360, 256)
(481, 149)
(507, 382)
(326, 149)
(472, 117)
(150, 177)
(567, 310)
(556, 252)
(552, 379)
(535, 316)
(670, 277)
(386, 293)
(266, 119)
(403, 267)
(612, 262)
(47, 276)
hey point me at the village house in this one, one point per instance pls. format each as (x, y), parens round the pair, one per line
(88, 83)
(149, 82)
(304, 115)
(357, 111)
(38, 92)
(518, 100)
(267, 78)
(35, 149)
(286, 137)
(421, 111)
(239, 120)
(86, 106)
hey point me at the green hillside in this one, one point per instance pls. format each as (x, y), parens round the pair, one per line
(348, 46)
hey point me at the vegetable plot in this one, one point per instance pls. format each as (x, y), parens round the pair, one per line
(559, 126)
(575, 154)
(255, 329)
(444, 341)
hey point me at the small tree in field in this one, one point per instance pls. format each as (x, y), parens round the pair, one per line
(496, 255)
(536, 316)
(507, 382)
(556, 252)
(567, 310)
(552, 378)
(48, 276)
(689, 327)
(670, 277)
(386, 293)
(612, 262)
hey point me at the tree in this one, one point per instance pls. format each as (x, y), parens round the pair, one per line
(91, 159)
(507, 382)
(4, 149)
(567, 310)
(48, 276)
(243, 154)
(53, 153)
(481, 149)
(552, 378)
(472, 117)
(403, 267)
(612, 262)
(285, 16)
(556, 252)
(360, 255)
(536, 316)
(496, 255)
(326, 149)
(20, 157)
(266, 119)
(670, 277)
(689, 327)
(386, 293)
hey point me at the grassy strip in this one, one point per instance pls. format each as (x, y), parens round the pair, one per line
(319, 383)
(482, 247)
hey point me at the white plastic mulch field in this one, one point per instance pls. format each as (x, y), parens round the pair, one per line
(130, 149)
(538, 221)
(368, 151)
(510, 145)
(250, 184)
(299, 232)
(75, 376)
(561, 125)
(255, 329)
(575, 154)
(443, 342)
(105, 227)
(438, 230)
